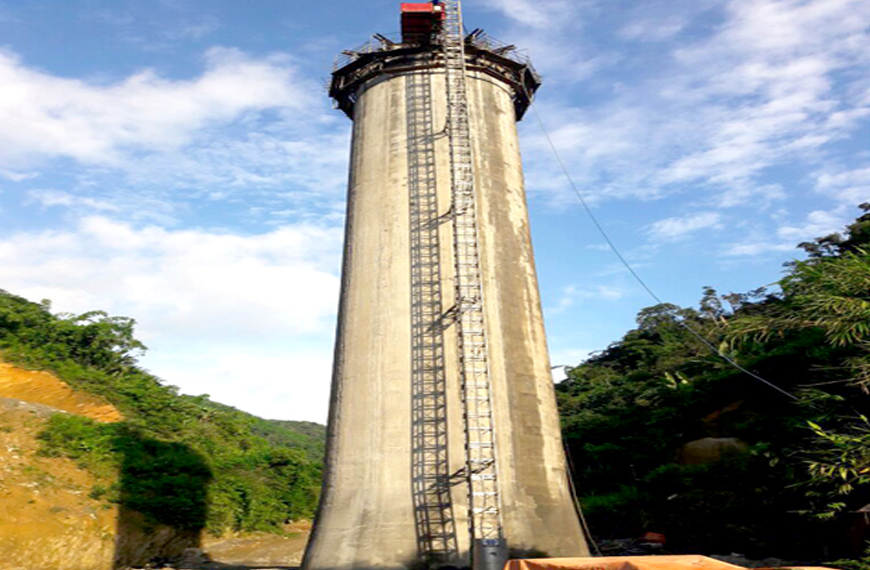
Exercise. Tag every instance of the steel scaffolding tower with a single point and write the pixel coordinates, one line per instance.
(485, 518)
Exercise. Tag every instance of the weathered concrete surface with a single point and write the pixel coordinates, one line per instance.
(366, 518)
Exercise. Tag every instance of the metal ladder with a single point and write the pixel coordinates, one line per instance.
(430, 465)
(485, 519)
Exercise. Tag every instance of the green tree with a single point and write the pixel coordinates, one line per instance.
(626, 410)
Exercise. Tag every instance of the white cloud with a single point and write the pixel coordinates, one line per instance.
(17, 176)
(678, 228)
(268, 300)
(249, 129)
(775, 60)
(755, 247)
(787, 26)
(572, 294)
(652, 29)
(52, 198)
(759, 196)
(849, 187)
(540, 14)
(817, 224)
(47, 116)
(258, 162)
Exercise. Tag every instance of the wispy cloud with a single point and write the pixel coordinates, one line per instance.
(769, 86)
(755, 247)
(653, 29)
(849, 187)
(195, 29)
(572, 294)
(545, 14)
(817, 224)
(6, 15)
(52, 198)
(17, 176)
(678, 228)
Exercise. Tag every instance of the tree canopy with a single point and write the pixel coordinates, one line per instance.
(628, 412)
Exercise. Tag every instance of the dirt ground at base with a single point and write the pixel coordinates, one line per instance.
(260, 550)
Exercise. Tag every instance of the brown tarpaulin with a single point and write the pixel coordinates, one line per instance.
(691, 562)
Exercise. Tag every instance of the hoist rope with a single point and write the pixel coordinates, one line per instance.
(634, 273)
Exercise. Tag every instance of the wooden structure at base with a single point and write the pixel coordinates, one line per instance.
(681, 562)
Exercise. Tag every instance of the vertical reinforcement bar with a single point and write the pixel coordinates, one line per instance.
(487, 536)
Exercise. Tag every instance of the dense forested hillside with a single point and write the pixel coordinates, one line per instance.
(787, 471)
(182, 461)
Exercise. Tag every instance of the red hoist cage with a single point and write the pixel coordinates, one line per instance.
(420, 21)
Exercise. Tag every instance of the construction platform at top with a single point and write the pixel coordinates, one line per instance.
(419, 48)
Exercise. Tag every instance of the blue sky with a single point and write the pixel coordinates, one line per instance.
(178, 161)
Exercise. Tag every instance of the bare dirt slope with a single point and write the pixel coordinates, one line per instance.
(47, 389)
(47, 519)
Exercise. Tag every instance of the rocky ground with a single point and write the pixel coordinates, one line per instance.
(260, 551)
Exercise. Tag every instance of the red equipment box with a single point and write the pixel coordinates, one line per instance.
(420, 21)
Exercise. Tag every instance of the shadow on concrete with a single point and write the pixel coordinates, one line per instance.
(430, 469)
(163, 500)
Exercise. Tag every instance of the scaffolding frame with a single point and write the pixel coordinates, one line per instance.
(481, 469)
(430, 466)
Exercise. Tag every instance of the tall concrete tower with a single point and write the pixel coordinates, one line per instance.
(443, 441)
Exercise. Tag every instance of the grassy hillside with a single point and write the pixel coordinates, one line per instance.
(308, 436)
(179, 460)
(287, 433)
